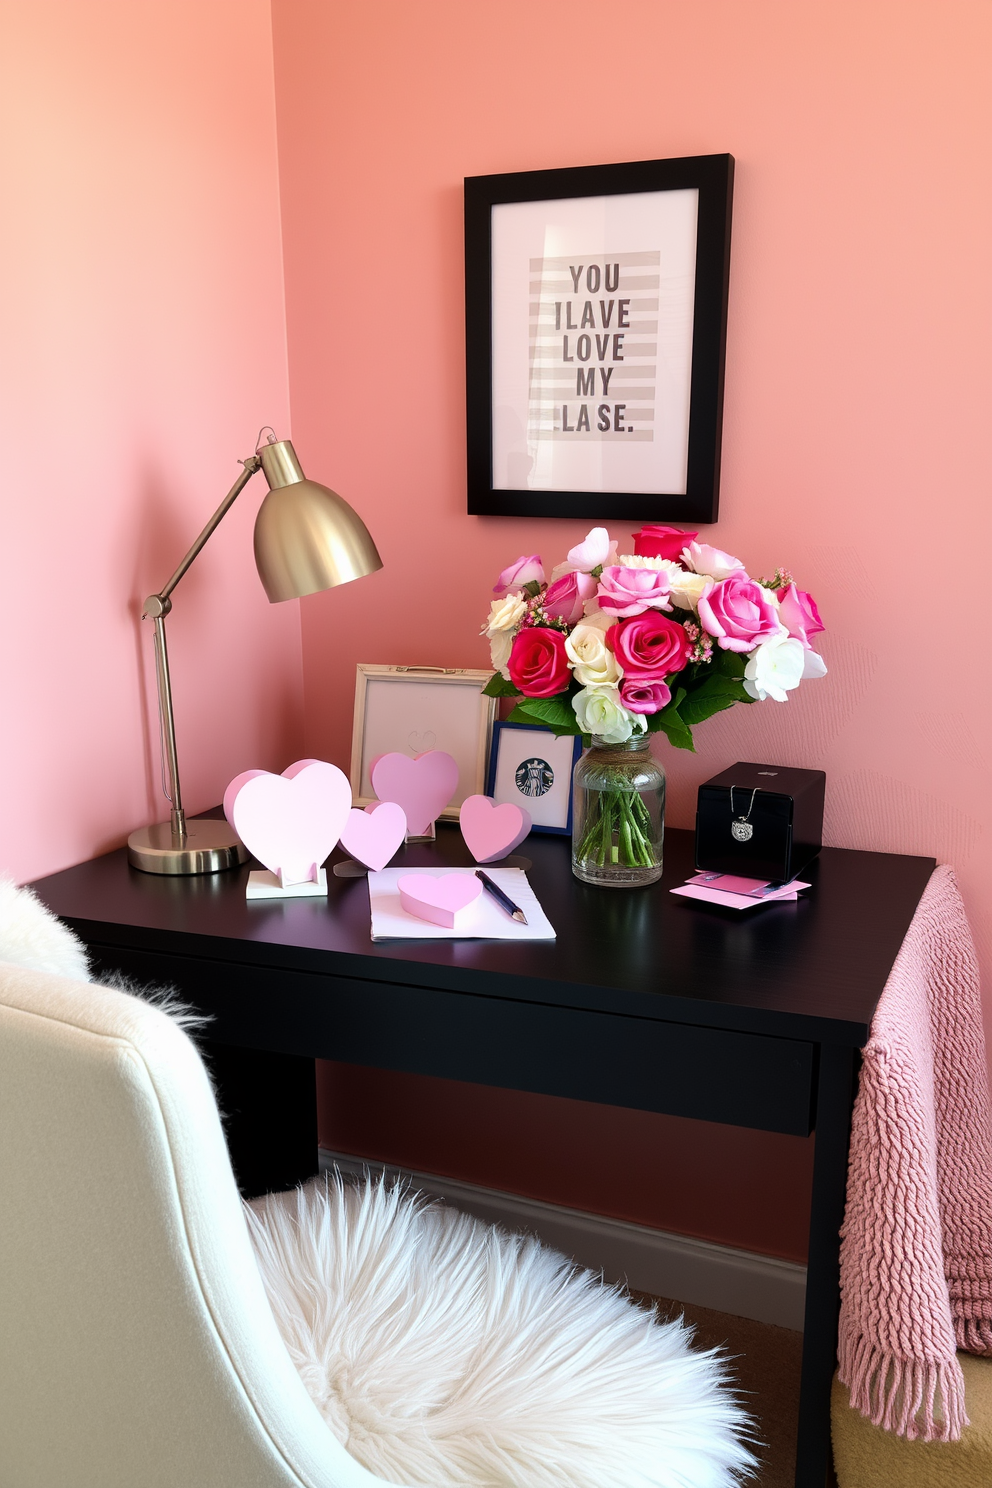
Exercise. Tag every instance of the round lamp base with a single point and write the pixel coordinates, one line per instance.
(210, 846)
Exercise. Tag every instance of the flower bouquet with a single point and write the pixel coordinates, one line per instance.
(618, 647)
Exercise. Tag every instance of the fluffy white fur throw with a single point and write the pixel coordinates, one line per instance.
(31, 936)
(445, 1352)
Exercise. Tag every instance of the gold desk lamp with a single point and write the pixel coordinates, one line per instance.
(306, 539)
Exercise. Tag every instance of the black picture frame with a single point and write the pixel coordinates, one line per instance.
(503, 728)
(711, 176)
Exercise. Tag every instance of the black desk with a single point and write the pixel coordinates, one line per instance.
(645, 1000)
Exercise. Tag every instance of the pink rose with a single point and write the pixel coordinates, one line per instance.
(629, 591)
(649, 647)
(565, 598)
(739, 613)
(713, 562)
(524, 571)
(656, 541)
(798, 613)
(538, 664)
(644, 697)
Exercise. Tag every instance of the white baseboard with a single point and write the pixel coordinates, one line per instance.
(667, 1265)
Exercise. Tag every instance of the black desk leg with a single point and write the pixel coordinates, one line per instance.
(835, 1097)
(268, 1103)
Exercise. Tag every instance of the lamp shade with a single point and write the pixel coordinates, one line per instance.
(306, 537)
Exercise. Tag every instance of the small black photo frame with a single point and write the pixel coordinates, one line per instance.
(596, 327)
(532, 767)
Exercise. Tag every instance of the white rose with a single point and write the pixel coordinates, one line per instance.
(500, 646)
(775, 668)
(505, 614)
(599, 711)
(703, 559)
(592, 660)
(635, 560)
(595, 551)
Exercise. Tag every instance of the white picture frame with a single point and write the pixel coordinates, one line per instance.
(408, 710)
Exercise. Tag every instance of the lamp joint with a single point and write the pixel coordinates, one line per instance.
(156, 608)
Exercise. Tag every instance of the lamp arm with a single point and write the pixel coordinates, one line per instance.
(250, 467)
(156, 607)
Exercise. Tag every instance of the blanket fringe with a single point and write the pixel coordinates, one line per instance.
(974, 1335)
(901, 1395)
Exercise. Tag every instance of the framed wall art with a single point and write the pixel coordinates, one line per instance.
(532, 767)
(596, 323)
(409, 710)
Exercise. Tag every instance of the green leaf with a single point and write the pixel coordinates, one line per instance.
(533, 588)
(669, 722)
(712, 696)
(729, 663)
(554, 713)
(498, 686)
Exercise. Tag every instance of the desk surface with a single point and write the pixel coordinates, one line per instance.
(813, 969)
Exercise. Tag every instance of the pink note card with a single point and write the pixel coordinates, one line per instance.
(734, 892)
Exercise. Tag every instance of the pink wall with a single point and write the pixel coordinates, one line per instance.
(143, 331)
(856, 443)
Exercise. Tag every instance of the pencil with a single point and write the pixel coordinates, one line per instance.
(513, 910)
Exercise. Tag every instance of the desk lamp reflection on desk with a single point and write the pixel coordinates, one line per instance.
(306, 539)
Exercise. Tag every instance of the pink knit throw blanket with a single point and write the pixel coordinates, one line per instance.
(916, 1244)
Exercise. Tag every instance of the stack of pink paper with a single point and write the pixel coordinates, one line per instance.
(737, 893)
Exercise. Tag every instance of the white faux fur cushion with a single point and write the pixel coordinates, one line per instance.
(445, 1352)
(31, 936)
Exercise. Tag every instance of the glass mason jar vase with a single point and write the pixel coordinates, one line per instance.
(618, 814)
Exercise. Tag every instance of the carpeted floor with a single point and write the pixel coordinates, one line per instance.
(766, 1363)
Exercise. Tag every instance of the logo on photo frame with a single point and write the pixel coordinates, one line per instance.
(534, 777)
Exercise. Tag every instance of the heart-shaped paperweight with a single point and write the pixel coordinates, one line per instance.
(290, 822)
(423, 786)
(373, 837)
(491, 831)
(443, 901)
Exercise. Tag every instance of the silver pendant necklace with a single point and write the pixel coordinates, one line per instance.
(742, 829)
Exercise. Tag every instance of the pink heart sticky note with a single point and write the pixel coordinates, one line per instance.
(439, 900)
(492, 831)
(422, 786)
(373, 837)
(290, 822)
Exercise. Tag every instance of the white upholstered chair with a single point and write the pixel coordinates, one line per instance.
(139, 1347)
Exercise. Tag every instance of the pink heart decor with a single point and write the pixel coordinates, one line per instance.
(439, 900)
(492, 831)
(290, 822)
(373, 837)
(423, 786)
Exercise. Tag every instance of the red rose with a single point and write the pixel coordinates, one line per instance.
(654, 541)
(649, 646)
(538, 664)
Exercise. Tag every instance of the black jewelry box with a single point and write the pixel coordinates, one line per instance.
(761, 821)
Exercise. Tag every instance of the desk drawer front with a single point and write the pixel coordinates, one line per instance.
(680, 1070)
